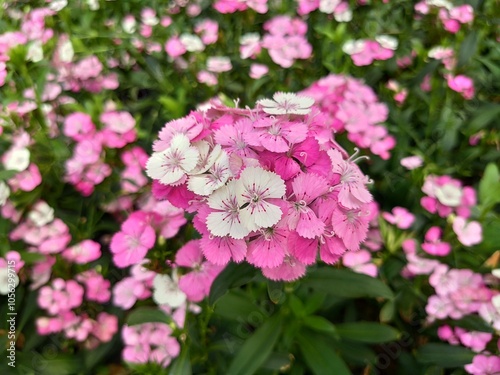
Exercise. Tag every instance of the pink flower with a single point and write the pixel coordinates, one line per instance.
(359, 261)
(78, 126)
(174, 47)
(412, 162)
(258, 71)
(433, 244)
(468, 234)
(82, 253)
(484, 365)
(400, 217)
(61, 296)
(196, 284)
(461, 84)
(127, 291)
(291, 269)
(130, 245)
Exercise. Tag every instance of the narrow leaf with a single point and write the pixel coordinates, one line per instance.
(234, 275)
(147, 315)
(444, 355)
(346, 283)
(320, 356)
(368, 332)
(256, 350)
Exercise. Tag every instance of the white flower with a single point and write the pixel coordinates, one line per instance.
(449, 195)
(41, 214)
(287, 103)
(496, 273)
(35, 52)
(171, 165)
(5, 275)
(129, 24)
(166, 291)
(387, 41)
(212, 173)
(66, 51)
(219, 64)
(225, 220)
(4, 193)
(192, 42)
(255, 186)
(57, 5)
(93, 4)
(440, 3)
(345, 16)
(17, 159)
(328, 6)
(353, 46)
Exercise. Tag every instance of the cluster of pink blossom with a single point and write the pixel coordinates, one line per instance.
(475, 340)
(286, 41)
(149, 342)
(137, 286)
(86, 168)
(268, 185)
(459, 292)
(452, 17)
(11, 259)
(138, 233)
(349, 105)
(365, 51)
(61, 297)
(231, 6)
(340, 9)
(446, 195)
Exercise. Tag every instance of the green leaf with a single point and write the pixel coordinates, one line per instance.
(320, 356)
(7, 174)
(387, 311)
(147, 315)
(368, 332)
(235, 305)
(256, 350)
(489, 185)
(474, 323)
(182, 365)
(444, 355)
(296, 305)
(467, 49)
(346, 283)
(320, 324)
(234, 275)
(484, 116)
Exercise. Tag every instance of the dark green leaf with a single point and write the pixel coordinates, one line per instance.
(234, 275)
(484, 116)
(256, 350)
(296, 305)
(5, 175)
(321, 358)
(235, 306)
(369, 332)
(474, 323)
(489, 185)
(182, 365)
(444, 355)
(346, 283)
(387, 311)
(320, 324)
(147, 315)
(467, 49)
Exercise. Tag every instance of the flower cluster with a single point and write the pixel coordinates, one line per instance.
(149, 342)
(350, 106)
(364, 51)
(268, 185)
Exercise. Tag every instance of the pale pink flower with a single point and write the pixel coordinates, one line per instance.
(468, 234)
(291, 269)
(400, 217)
(433, 244)
(484, 365)
(83, 252)
(286, 103)
(127, 291)
(412, 162)
(258, 71)
(360, 262)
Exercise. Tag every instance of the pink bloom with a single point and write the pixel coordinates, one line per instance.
(127, 291)
(84, 252)
(412, 162)
(359, 261)
(291, 269)
(78, 126)
(433, 244)
(468, 234)
(400, 217)
(484, 365)
(61, 296)
(258, 71)
(269, 248)
(96, 287)
(461, 84)
(130, 245)
(174, 47)
(195, 284)
(118, 122)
